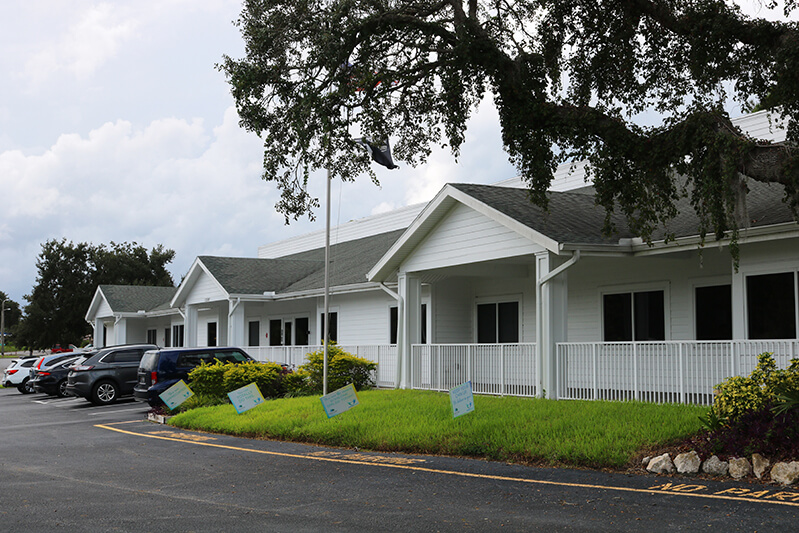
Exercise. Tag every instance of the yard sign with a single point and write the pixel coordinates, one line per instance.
(461, 399)
(340, 400)
(246, 398)
(176, 394)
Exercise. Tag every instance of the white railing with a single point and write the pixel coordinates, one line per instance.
(384, 355)
(664, 372)
(502, 369)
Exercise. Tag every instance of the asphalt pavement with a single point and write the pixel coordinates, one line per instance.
(66, 465)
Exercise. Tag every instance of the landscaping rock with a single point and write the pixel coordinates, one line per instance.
(785, 473)
(715, 467)
(759, 465)
(688, 463)
(661, 465)
(645, 461)
(739, 467)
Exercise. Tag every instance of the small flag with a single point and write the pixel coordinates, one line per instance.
(381, 153)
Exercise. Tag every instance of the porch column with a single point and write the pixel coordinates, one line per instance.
(190, 330)
(410, 289)
(97, 335)
(121, 331)
(550, 320)
(236, 324)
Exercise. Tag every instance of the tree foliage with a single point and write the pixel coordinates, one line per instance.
(68, 275)
(569, 79)
(11, 315)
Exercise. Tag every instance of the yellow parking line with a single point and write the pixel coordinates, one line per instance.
(672, 489)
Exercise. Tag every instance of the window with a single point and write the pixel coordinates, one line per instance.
(638, 316)
(152, 336)
(771, 306)
(498, 322)
(211, 334)
(303, 332)
(254, 333)
(393, 328)
(275, 332)
(394, 324)
(167, 338)
(333, 327)
(713, 313)
(177, 335)
(127, 356)
(287, 327)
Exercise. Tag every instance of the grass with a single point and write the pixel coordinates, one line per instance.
(524, 430)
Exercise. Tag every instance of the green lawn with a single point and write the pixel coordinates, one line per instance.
(589, 434)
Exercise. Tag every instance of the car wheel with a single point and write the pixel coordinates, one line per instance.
(62, 388)
(104, 393)
(26, 387)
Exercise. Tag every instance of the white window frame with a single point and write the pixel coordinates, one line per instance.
(632, 288)
(780, 267)
(518, 298)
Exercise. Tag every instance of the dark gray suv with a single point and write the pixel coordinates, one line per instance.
(107, 375)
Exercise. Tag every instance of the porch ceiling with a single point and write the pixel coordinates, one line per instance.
(517, 267)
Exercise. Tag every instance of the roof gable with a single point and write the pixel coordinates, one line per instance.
(117, 299)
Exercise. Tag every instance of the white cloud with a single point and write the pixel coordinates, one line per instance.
(84, 46)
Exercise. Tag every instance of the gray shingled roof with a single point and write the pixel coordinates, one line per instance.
(573, 217)
(350, 261)
(135, 298)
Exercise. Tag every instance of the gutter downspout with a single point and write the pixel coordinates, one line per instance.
(400, 309)
(539, 314)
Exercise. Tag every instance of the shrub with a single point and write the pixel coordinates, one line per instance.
(738, 395)
(342, 369)
(266, 376)
(208, 379)
(217, 379)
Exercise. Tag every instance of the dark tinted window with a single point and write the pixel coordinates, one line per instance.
(192, 359)
(770, 306)
(486, 323)
(124, 356)
(28, 363)
(393, 324)
(714, 313)
(650, 323)
(638, 316)
(617, 317)
(149, 361)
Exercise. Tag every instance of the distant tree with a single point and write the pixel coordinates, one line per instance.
(569, 79)
(12, 314)
(68, 277)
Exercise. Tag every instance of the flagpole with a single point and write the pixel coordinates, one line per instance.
(327, 289)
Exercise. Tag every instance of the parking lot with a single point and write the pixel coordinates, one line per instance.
(67, 464)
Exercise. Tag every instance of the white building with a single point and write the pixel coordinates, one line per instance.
(481, 285)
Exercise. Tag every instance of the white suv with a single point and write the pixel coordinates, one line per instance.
(18, 373)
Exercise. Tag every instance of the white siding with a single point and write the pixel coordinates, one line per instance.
(452, 317)
(592, 277)
(456, 299)
(104, 310)
(463, 237)
(205, 289)
(355, 229)
(363, 318)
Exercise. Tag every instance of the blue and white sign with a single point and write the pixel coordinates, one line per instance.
(461, 399)
(176, 394)
(246, 398)
(339, 401)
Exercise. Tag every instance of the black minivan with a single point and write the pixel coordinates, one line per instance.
(162, 368)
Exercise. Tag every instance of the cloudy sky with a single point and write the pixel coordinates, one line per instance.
(115, 126)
